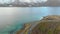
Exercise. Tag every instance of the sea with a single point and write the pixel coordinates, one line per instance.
(13, 19)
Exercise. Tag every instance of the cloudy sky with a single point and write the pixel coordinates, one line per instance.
(6, 1)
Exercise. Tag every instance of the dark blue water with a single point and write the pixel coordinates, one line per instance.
(24, 15)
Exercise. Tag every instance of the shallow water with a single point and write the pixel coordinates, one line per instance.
(13, 18)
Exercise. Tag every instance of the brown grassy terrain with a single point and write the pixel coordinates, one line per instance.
(48, 25)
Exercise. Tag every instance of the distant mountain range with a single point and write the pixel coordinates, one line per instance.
(32, 4)
(18, 3)
(24, 4)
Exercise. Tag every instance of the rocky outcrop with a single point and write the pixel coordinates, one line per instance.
(51, 17)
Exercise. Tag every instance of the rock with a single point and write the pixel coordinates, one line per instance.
(51, 17)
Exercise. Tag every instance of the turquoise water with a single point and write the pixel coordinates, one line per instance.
(23, 15)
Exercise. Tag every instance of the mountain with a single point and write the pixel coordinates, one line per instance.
(31, 3)
(18, 3)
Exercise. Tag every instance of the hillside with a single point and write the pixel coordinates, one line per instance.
(48, 25)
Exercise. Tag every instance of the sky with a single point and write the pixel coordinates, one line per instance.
(6, 1)
(33, 0)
